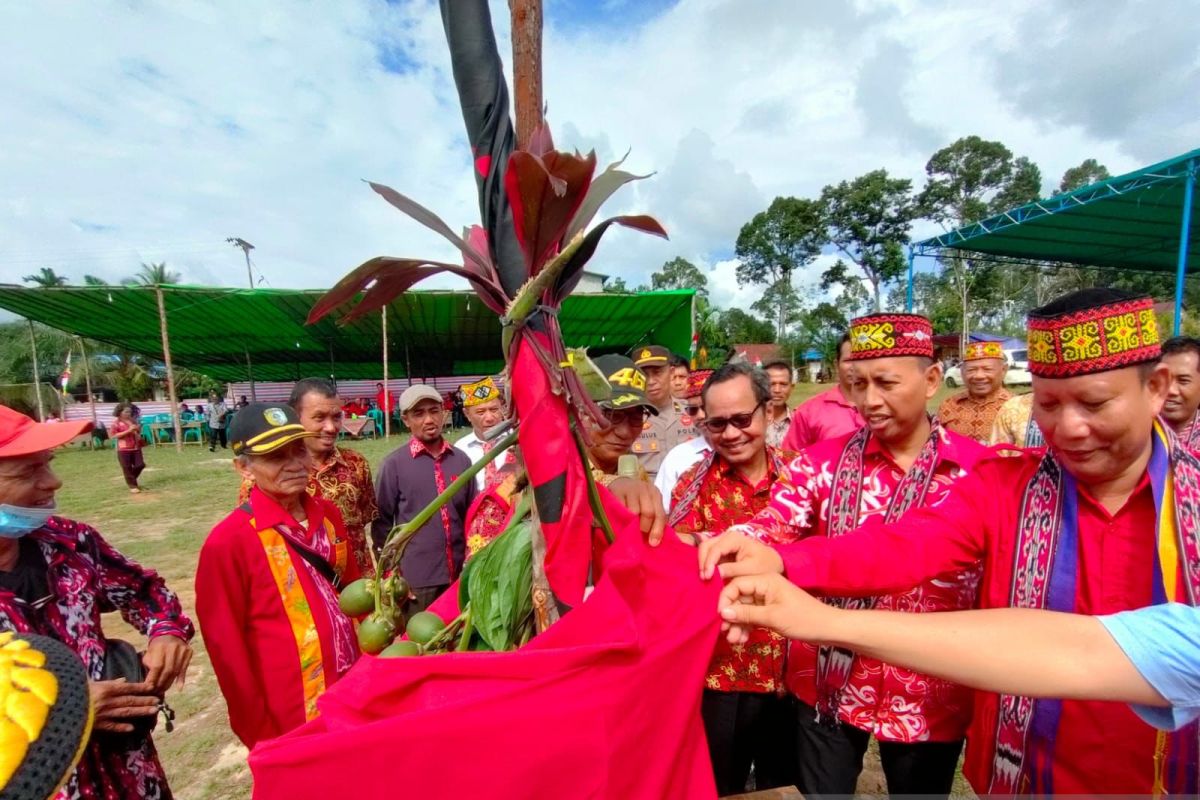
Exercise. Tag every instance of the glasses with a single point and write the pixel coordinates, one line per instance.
(717, 425)
(635, 417)
(692, 410)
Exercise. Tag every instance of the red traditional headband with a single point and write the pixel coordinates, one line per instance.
(1096, 339)
(979, 350)
(888, 335)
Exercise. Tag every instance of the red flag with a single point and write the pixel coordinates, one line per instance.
(606, 703)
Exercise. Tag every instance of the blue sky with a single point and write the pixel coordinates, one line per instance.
(140, 131)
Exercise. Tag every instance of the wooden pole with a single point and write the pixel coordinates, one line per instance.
(87, 380)
(387, 411)
(527, 66)
(250, 374)
(37, 382)
(408, 364)
(166, 343)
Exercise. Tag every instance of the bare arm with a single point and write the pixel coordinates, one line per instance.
(1009, 650)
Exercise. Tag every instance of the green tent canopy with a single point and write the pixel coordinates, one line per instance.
(226, 333)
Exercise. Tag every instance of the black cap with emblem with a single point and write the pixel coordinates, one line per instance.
(651, 355)
(627, 383)
(262, 427)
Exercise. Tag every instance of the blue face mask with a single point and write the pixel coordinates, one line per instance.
(16, 521)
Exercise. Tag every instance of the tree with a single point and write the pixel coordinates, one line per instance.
(616, 286)
(868, 220)
(776, 243)
(711, 334)
(1088, 172)
(679, 273)
(92, 280)
(968, 181)
(152, 275)
(743, 328)
(820, 329)
(46, 278)
(779, 301)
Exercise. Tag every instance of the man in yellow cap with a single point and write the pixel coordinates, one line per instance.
(972, 411)
(484, 408)
(669, 427)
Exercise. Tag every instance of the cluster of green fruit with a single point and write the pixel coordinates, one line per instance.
(494, 598)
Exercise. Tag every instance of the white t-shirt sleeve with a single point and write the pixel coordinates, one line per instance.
(1163, 642)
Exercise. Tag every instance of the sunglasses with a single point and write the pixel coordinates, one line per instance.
(693, 410)
(717, 425)
(635, 417)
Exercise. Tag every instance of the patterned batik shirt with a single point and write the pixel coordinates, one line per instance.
(972, 418)
(893, 703)
(725, 498)
(87, 577)
(345, 480)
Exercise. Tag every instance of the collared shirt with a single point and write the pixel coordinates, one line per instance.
(679, 460)
(1014, 424)
(410, 477)
(248, 627)
(970, 417)
(727, 498)
(893, 703)
(821, 417)
(216, 414)
(660, 433)
(978, 519)
(476, 449)
(345, 479)
(777, 428)
(87, 576)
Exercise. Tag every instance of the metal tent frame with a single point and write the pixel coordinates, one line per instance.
(1138, 221)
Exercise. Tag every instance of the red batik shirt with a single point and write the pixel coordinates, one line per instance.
(726, 498)
(893, 703)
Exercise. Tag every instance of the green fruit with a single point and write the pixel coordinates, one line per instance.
(374, 634)
(399, 590)
(423, 626)
(401, 649)
(358, 598)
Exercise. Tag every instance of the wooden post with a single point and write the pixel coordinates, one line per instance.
(37, 382)
(387, 411)
(166, 343)
(527, 66)
(250, 375)
(408, 364)
(87, 379)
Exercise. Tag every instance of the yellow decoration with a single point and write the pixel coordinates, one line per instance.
(27, 694)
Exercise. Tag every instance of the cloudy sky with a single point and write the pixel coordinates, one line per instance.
(141, 131)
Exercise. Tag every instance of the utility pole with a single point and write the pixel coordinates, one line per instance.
(37, 381)
(245, 247)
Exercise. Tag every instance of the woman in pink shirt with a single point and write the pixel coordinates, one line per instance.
(128, 435)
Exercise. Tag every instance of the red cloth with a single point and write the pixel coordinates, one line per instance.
(605, 704)
(354, 409)
(821, 417)
(893, 703)
(245, 627)
(385, 401)
(1100, 747)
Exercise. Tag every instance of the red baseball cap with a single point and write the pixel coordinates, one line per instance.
(20, 435)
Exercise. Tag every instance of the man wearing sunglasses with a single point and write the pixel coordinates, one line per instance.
(668, 426)
(899, 460)
(748, 718)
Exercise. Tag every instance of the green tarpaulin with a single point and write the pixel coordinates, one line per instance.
(217, 331)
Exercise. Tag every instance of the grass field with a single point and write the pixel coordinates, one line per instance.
(163, 528)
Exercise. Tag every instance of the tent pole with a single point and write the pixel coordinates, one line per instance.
(250, 374)
(166, 343)
(908, 296)
(408, 364)
(332, 372)
(387, 412)
(87, 379)
(37, 386)
(1185, 226)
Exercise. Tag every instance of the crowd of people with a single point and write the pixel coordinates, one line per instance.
(1080, 498)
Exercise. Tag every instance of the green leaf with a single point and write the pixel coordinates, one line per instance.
(499, 586)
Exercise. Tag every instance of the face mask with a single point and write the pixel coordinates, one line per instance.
(16, 521)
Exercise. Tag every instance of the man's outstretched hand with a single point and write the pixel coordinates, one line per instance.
(732, 555)
(772, 601)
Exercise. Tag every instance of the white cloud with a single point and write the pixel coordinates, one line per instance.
(137, 132)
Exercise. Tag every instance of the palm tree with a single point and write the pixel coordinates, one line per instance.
(92, 280)
(152, 275)
(46, 278)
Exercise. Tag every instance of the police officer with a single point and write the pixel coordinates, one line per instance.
(670, 426)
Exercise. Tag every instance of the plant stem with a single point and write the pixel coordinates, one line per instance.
(593, 492)
(399, 535)
(464, 642)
